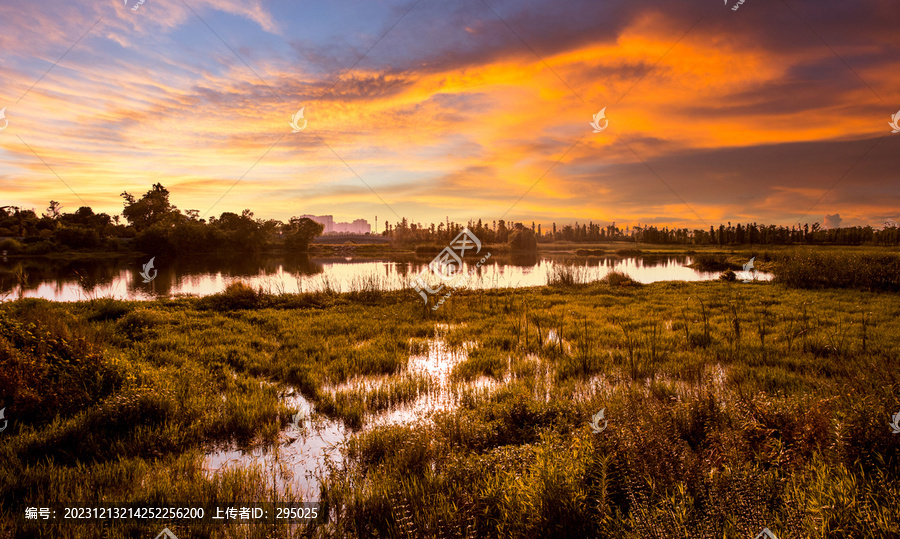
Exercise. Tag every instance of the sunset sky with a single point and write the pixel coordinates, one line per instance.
(776, 112)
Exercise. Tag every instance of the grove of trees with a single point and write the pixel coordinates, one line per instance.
(523, 237)
(153, 225)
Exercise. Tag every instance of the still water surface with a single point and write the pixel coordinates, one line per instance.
(75, 280)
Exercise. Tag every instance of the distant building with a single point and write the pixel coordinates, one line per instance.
(327, 221)
(359, 226)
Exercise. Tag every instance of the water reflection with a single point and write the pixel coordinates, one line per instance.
(299, 459)
(73, 280)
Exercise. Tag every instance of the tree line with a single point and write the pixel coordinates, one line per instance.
(153, 225)
(522, 236)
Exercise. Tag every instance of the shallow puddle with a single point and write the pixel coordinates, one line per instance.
(436, 363)
(298, 459)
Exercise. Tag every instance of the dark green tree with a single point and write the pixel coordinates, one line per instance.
(304, 230)
(152, 208)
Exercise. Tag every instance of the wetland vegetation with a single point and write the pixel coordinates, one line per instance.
(731, 406)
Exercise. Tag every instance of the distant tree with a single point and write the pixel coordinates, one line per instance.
(242, 232)
(53, 210)
(522, 239)
(502, 231)
(85, 217)
(77, 237)
(305, 230)
(152, 208)
(155, 240)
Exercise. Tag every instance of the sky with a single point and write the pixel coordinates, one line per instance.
(774, 112)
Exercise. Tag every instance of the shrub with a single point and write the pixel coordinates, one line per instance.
(40, 248)
(617, 278)
(237, 295)
(12, 246)
(728, 276)
(77, 237)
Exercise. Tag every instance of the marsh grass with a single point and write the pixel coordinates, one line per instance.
(728, 410)
(354, 401)
(873, 271)
(566, 275)
(481, 362)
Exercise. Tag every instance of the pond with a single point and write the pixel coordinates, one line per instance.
(76, 280)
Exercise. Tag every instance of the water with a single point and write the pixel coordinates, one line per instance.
(299, 458)
(302, 452)
(75, 280)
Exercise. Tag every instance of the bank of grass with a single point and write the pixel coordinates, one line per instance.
(731, 407)
(873, 271)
